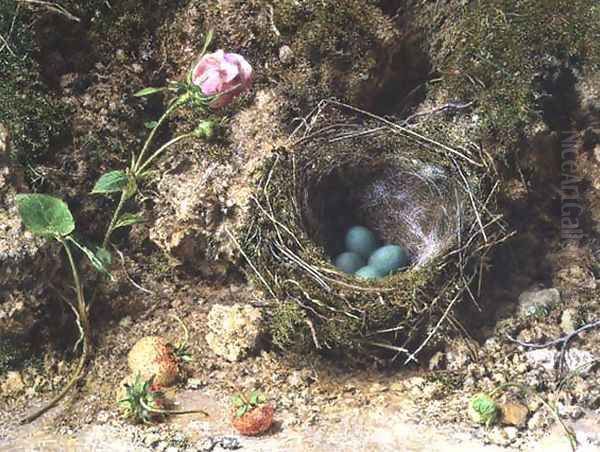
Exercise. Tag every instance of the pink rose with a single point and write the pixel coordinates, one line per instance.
(227, 74)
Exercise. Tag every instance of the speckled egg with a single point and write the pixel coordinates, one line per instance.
(361, 241)
(369, 272)
(349, 262)
(388, 259)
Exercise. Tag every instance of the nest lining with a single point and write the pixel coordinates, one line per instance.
(411, 203)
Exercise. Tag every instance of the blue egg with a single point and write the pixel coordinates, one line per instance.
(369, 272)
(349, 262)
(388, 259)
(361, 241)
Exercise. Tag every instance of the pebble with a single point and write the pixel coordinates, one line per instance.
(569, 320)
(151, 438)
(514, 414)
(13, 384)
(286, 54)
(512, 433)
(538, 302)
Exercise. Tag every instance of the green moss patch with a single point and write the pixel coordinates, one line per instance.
(34, 116)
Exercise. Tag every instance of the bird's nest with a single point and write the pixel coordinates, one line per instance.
(410, 186)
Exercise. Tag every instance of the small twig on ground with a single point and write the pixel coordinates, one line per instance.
(563, 341)
(451, 106)
(129, 278)
(53, 7)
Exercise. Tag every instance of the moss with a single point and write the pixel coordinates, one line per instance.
(346, 44)
(501, 53)
(12, 353)
(35, 118)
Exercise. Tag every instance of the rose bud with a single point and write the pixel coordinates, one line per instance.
(222, 74)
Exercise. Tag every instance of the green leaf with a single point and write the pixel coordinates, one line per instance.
(45, 215)
(241, 411)
(148, 91)
(128, 219)
(151, 124)
(99, 257)
(111, 182)
(254, 398)
(237, 401)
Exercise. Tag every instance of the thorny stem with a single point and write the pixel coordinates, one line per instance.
(568, 431)
(159, 411)
(86, 340)
(162, 119)
(114, 218)
(141, 169)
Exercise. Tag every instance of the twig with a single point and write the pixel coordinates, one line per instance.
(53, 7)
(136, 285)
(447, 107)
(159, 411)
(562, 340)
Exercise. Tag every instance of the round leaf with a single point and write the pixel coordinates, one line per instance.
(45, 215)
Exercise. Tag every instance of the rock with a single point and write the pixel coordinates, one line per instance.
(541, 357)
(201, 205)
(437, 361)
(514, 414)
(512, 433)
(458, 355)
(13, 384)
(498, 436)
(537, 302)
(151, 439)
(286, 54)
(195, 383)
(570, 320)
(235, 331)
(580, 361)
(539, 420)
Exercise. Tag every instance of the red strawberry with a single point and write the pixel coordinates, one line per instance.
(254, 422)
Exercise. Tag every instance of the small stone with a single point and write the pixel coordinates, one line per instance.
(539, 420)
(162, 446)
(541, 357)
(195, 383)
(498, 436)
(137, 68)
(512, 433)
(286, 54)
(580, 361)
(235, 331)
(377, 387)
(13, 384)
(4, 139)
(514, 414)
(295, 379)
(569, 320)
(458, 355)
(575, 412)
(597, 153)
(538, 303)
(437, 361)
(151, 439)
(125, 322)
